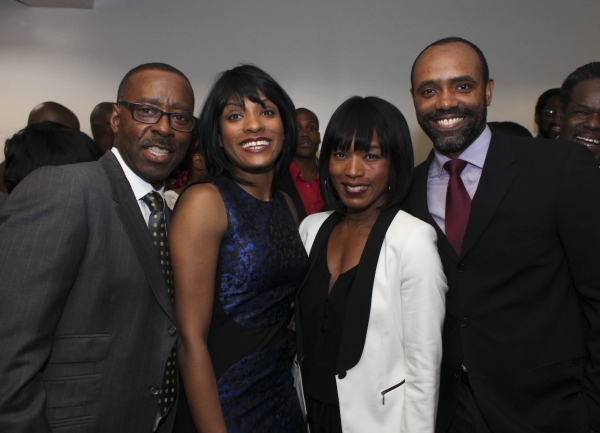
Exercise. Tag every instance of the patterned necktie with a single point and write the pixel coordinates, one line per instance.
(156, 224)
(458, 204)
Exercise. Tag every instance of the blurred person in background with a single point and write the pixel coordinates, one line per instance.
(546, 109)
(54, 112)
(41, 144)
(103, 134)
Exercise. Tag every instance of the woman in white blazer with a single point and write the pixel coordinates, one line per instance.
(369, 314)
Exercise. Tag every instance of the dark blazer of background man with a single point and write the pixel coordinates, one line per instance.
(86, 323)
(523, 305)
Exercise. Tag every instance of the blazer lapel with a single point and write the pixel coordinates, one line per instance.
(358, 309)
(129, 212)
(496, 178)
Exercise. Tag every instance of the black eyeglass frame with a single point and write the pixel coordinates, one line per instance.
(132, 106)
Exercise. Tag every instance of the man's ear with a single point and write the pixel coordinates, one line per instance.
(114, 119)
(489, 89)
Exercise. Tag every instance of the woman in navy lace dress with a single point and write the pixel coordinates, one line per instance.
(237, 262)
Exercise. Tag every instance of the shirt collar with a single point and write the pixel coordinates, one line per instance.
(474, 154)
(295, 171)
(139, 186)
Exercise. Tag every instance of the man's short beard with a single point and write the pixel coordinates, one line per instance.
(447, 142)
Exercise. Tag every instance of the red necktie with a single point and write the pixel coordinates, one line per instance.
(458, 204)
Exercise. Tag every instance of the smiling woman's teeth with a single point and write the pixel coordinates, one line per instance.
(356, 188)
(449, 122)
(157, 151)
(252, 144)
(588, 140)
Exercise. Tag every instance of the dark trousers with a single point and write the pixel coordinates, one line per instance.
(468, 417)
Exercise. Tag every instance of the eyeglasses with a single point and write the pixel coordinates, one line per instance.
(551, 112)
(151, 115)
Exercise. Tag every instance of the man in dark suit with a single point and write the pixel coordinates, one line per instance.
(86, 318)
(518, 234)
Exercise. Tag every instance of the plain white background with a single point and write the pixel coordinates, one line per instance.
(321, 52)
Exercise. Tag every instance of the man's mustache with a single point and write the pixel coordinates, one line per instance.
(451, 111)
(162, 141)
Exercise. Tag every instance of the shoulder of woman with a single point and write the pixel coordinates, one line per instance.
(405, 228)
(201, 205)
(310, 227)
(199, 194)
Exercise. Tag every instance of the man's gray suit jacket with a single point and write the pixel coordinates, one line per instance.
(86, 324)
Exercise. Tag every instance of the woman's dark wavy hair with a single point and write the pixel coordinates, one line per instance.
(354, 122)
(241, 82)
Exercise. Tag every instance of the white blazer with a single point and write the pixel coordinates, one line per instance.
(394, 385)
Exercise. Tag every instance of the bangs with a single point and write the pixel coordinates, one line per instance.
(236, 87)
(357, 126)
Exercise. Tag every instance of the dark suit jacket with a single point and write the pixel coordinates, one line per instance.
(86, 323)
(523, 302)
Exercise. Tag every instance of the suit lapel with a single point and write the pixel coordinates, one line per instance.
(129, 211)
(496, 178)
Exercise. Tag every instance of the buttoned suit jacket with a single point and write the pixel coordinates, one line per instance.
(523, 303)
(86, 323)
(387, 371)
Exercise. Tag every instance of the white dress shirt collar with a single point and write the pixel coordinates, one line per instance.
(139, 186)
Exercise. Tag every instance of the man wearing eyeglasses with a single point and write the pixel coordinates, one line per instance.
(545, 114)
(87, 327)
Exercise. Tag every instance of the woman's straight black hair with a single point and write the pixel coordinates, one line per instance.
(353, 124)
(241, 82)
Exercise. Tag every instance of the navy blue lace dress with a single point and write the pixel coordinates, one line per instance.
(261, 264)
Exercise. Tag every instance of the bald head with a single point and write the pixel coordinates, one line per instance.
(54, 112)
(100, 125)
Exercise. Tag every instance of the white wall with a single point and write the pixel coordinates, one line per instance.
(321, 52)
